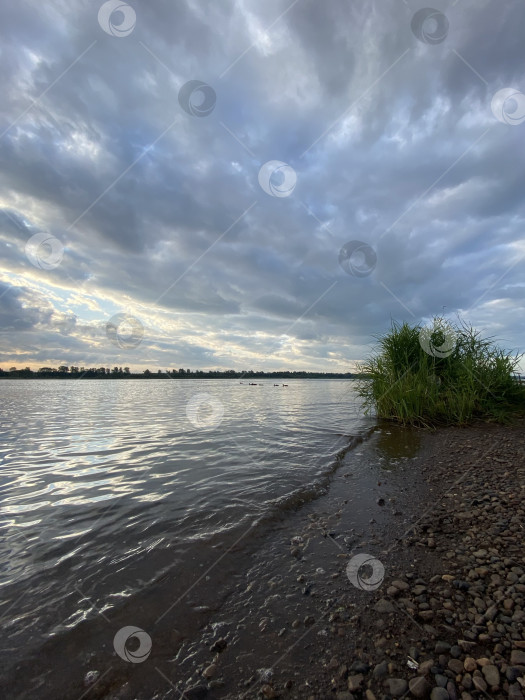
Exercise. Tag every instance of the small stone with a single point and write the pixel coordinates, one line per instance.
(479, 683)
(359, 667)
(425, 666)
(397, 686)
(491, 674)
(470, 664)
(419, 687)
(439, 694)
(451, 690)
(268, 691)
(466, 681)
(354, 682)
(381, 670)
(441, 680)
(517, 658)
(219, 645)
(442, 647)
(515, 692)
(512, 674)
(370, 695)
(456, 666)
(401, 585)
(210, 671)
(384, 606)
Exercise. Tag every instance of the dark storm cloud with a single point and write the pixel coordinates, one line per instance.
(161, 214)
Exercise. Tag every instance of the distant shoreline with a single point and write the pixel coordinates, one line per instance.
(90, 374)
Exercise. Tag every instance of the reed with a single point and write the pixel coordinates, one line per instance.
(443, 374)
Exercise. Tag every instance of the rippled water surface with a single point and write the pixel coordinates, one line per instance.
(106, 484)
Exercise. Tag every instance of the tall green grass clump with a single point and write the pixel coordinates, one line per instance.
(440, 374)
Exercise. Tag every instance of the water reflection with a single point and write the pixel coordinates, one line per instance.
(106, 484)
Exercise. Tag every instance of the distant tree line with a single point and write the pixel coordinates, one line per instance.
(66, 372)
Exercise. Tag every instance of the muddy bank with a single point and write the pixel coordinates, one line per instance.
(446, 521)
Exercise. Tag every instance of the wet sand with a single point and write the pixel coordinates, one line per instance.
(443, 514)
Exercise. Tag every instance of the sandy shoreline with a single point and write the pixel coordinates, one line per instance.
(290, 624)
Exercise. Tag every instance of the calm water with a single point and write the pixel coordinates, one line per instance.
(106, 485)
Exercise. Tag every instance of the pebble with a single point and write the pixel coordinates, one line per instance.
(491, 674)
(479, 683)
(517, 658)
(210, 671)
(456, 666)
(384, 606)
(354, 682)
(425, 666)
(470, 664)
(515, 692)
(397, 686)
(381, 670)
(419, 687)
(439, 694)
(401, 585)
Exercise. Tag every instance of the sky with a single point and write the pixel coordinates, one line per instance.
(256, 185)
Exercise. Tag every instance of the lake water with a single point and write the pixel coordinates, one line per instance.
(107, 486)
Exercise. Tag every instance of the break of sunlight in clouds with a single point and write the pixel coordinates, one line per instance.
(160, 214)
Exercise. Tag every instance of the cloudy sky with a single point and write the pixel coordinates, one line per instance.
(196, 174)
